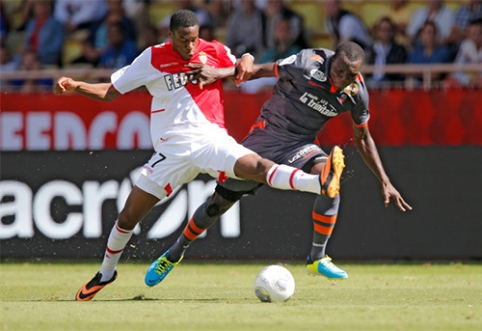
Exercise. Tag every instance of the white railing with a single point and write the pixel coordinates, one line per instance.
(426, 71)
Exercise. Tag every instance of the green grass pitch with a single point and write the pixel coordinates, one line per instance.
(220, 296)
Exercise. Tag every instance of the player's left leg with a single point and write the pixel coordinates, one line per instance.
(203, 218)
(325, 212)
(226, 195)
(138, 204)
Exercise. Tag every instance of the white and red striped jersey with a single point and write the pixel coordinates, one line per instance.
(177, 105)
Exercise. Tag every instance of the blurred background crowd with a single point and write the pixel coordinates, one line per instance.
(41, 34)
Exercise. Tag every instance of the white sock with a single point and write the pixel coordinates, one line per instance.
(284, 177)
(116, 243)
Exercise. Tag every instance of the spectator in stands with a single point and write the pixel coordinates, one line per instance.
(7, 64)
(385, 51)
(284, 46)
(31, 61)
(219, 12)
(343, 25)
(24, 12)
(97, 41)
(202, 15)
(430, 51)
(206, 32)
(435, 11)
(400, 13)
(120, 51)
(275, 11)
(4, 23)
(245, 30)
(79, 14)
(44, 35)
(464, 15)
(149, 36)
(137, 12)
(470, 52)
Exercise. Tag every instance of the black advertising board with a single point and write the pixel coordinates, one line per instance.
(63, 204)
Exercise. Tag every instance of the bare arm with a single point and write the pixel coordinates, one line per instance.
(101, 91)
(264, 70)
(368, 151)
(243, 70)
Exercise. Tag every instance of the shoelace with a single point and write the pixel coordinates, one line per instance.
(163, 266)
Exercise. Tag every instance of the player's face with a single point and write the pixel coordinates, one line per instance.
(185, 40)
(343, 72)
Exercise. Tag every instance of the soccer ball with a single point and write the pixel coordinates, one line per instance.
(274, 283)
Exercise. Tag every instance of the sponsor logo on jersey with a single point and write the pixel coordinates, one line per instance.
(304, 153)
(165, 65)
(318, 75)
(177, 80)
(288, 60)
(203, 57)
(320, 105)
(351, 89)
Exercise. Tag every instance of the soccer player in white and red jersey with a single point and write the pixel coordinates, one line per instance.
(187, 131)
(313, 87)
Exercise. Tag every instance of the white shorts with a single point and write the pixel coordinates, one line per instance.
(182, 156)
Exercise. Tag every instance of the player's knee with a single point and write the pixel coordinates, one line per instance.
(212, 210)
(217, 205)
(125, 221)
(253, 167)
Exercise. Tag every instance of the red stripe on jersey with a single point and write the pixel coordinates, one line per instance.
(158, 110)
(333, 88)
(222, 176)
(209, 98)
(168, 189)
(316, 85)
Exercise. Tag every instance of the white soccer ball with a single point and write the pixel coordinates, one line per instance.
(274, 283)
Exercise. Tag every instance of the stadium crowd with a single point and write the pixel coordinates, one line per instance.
(36, 34)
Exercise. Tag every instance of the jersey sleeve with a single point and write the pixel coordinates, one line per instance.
(134, 75)
(290, 67)
(225, 57)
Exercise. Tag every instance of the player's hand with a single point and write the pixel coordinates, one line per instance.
(390, 193)
(65, 84)
(244, 68)
(202, 73)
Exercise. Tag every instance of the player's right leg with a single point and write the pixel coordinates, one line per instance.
(136, 207)
(286, 177)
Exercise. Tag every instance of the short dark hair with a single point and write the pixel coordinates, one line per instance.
(352, 51)
(183, 19)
